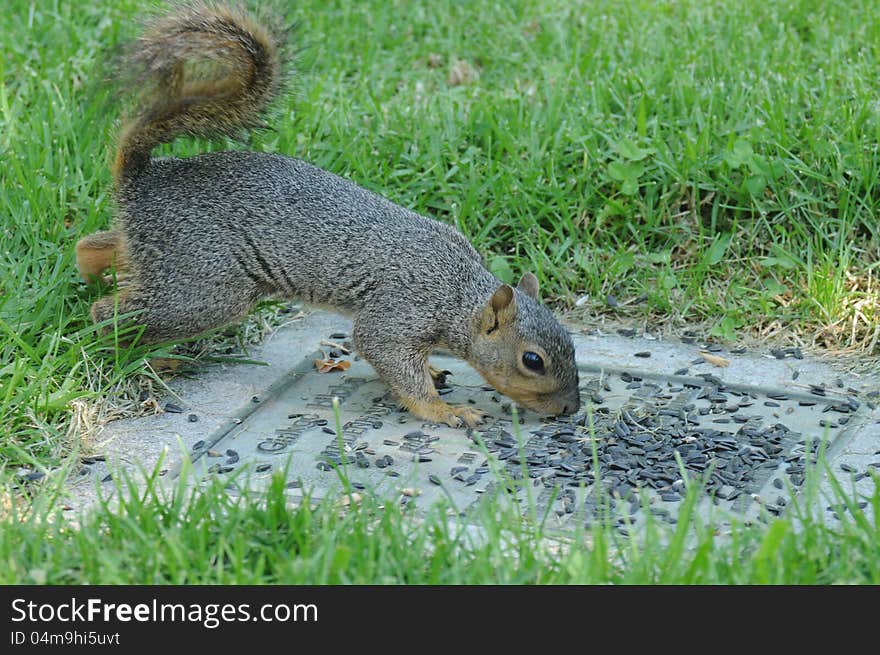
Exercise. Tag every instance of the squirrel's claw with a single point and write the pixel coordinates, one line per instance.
(466, 416)
(437, 411)
(438, 376)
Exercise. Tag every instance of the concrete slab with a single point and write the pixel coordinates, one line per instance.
(655, 416)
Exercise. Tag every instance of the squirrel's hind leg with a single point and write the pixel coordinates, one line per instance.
(96, 253)
(172, 313)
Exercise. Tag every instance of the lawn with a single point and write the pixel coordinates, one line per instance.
(691, 163)
(161, 535)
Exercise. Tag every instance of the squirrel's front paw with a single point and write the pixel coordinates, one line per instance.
(465, 415)
(437, 411)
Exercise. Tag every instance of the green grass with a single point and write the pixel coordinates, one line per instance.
(158, 535)
(716, 159)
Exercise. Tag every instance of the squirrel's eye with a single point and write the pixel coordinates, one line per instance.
(533, 361)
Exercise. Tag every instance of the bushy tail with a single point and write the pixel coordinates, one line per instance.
(203, 70)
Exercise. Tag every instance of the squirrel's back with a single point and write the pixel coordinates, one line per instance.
(306, 232)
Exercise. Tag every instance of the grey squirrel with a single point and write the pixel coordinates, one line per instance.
(198, 241)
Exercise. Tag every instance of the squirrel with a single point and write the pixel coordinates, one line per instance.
(197, 241)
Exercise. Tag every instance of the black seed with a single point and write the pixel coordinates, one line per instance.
(324, 466)
(198, 445)
(433, 479)
(611, 301)
(806, 403)
(644, 354)
(338, 335)
(173, 409)
(778, 483)
(682, 371)
(848, 468)
(192, 418)
(107, 477)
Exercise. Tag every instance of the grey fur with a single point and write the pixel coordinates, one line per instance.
(204, 238)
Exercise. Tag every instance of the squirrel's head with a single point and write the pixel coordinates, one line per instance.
(524, 352)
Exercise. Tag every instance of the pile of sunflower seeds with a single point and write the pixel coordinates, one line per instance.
(663, 436)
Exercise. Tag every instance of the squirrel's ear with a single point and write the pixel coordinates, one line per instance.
(500, 310)
(528, 284)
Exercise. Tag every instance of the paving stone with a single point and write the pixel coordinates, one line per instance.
(645, 430)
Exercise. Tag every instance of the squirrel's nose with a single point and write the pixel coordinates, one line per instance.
(573, 404)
